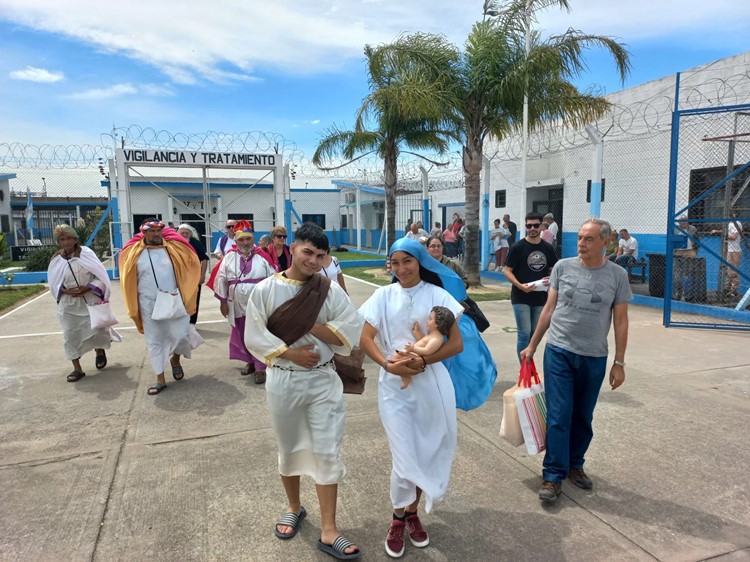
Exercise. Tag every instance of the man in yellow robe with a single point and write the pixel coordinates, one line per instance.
(158, 260)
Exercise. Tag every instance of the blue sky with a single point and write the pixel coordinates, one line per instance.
(70, 69)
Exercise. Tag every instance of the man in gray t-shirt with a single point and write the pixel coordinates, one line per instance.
(586, 294)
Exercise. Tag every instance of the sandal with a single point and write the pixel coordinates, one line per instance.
(177, 372)
(337, 549)
(248, 370)
(76, 376)
(156, 388)
(260, 377)
(101, 360)
(290, 519)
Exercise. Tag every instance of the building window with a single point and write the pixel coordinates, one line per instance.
(712, 207)
(138, 220)
(500, 196)
(240, 216)
(320, 220)
(4, 223)
(343, 221)
(588, 190)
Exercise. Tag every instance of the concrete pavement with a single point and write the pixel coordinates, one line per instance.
(97, 470)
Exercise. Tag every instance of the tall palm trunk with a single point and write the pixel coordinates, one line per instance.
(390, 176)
(472, 162)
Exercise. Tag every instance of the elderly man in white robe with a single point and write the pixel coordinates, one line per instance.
(78, 281)
(235, 278)
(159, 275)
(304, 393)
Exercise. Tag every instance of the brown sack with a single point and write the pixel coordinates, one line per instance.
(350, 371)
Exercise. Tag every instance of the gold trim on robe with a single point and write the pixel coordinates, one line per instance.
(187, 272)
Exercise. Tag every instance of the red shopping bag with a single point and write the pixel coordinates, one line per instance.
(532, 408)
(510, 427)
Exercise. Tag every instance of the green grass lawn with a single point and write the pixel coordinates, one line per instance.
(10, 296)
(351, 256)
(478, 297)
(11, 263)
(362, 273)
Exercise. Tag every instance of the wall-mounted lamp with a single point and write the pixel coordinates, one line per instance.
(174, 210)
(213, 211)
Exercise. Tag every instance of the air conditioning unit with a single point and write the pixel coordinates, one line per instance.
(350, 197)
(378, 206)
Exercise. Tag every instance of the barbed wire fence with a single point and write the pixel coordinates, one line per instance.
(635, 130)
(636, 164)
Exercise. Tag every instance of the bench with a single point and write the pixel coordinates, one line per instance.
(639, 264)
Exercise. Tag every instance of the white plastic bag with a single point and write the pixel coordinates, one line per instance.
(101, 315)
(168, 305)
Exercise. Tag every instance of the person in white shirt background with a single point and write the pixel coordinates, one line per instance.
(734, 253)
(549, 218)
(627, 250)
(227, 241)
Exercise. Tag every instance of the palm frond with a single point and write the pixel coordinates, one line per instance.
(347, 144)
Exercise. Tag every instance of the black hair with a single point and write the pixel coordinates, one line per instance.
(534, 217)
(444, 319)
(438, 238)
(150, 219)
(311, 232)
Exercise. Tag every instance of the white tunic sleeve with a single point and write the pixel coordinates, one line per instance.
(221, 284)
(372, 310)
(258, 339)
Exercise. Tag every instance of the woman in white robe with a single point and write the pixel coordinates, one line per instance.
(78, 279)
(420, 420)
(237, 274)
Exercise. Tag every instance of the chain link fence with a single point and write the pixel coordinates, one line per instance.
(636, 163)
(34, 201)
(711, 216)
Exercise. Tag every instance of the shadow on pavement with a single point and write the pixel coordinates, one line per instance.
(107, 384)
(202, 394)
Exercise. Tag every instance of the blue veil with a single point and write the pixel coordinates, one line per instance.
(472, 371)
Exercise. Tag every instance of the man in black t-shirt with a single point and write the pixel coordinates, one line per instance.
(528, 267)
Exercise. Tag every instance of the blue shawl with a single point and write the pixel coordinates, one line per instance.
(472, 371)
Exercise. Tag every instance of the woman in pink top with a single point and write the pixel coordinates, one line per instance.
(449, 241)
(547, 235)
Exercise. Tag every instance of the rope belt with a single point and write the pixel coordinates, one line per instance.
(311, 369)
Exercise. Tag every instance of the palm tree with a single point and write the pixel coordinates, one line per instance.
(394, 110)
(481, 89)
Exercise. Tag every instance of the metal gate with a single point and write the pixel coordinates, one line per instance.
(706, 268)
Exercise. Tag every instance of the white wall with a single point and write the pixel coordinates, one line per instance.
(636, 153)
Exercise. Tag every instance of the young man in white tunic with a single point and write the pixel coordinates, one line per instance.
(420, 420)
(160, 260)
(304, 393)
(77, 279)
(237, 274)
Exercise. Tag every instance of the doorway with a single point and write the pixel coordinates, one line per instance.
(197, 222)
(553, 204)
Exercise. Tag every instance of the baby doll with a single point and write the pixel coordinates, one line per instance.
(438, 326)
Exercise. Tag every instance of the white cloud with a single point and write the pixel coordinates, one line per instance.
(230, 40)
(227, 40)
(33, 74)
(315, 122)
(125, 89)
(156, 90)
(105, 93)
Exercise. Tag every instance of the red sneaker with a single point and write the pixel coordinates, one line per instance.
(417, 535)
(394, 542)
